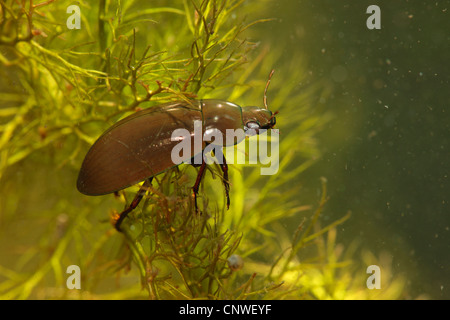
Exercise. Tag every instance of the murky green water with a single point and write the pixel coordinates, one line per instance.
(387, 149)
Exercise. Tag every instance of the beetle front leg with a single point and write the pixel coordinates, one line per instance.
(224, 168)
(140, 194)
(196, 186)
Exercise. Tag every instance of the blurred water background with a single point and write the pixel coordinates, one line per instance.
(387, 148)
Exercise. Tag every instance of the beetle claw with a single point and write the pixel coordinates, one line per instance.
(197, 182)
(226, 184)
(195, 201)
(118, 218)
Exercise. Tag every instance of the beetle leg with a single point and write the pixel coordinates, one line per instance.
(147, 183)
(224, 168)
(196, 186)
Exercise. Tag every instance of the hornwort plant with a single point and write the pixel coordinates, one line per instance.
(61, 88)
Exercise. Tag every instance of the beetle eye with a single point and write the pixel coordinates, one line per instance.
(251, 128)
(252, 125)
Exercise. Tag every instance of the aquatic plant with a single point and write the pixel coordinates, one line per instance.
(61, 88)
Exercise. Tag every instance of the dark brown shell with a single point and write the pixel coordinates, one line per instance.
(135, 148)
(140, 146)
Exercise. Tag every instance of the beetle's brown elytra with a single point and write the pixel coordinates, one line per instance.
(138, 147)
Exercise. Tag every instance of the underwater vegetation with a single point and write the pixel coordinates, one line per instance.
(62, 86)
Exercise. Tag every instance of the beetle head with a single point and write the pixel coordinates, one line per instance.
(256, 118)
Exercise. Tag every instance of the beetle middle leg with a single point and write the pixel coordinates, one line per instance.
(224, 167)
(201, 172)
(196, 186)
(140, 194)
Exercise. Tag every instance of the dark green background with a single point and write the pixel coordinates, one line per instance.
(386, 151)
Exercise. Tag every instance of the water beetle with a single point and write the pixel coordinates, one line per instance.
(138, 147)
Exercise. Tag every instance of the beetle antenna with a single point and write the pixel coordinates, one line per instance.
(267, 86)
